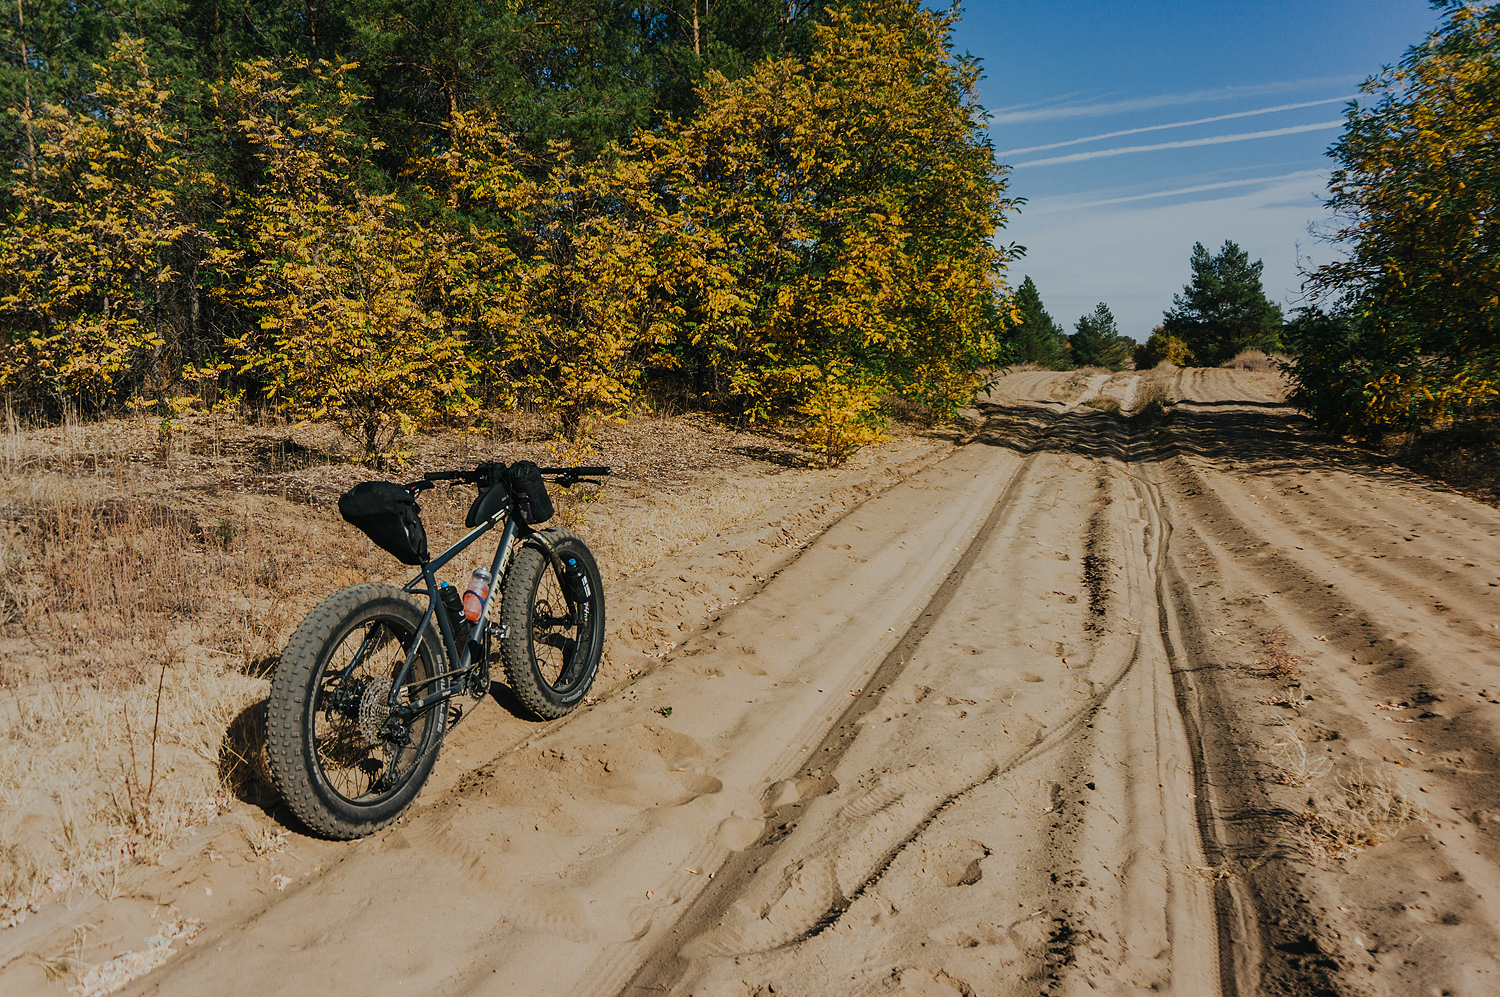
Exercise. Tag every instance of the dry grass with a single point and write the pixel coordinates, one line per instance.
(1147, 402)
(1464, 456)
(1150, 404)
(141, 606)
(1279, 662)
(144, 596)
(1292, 697)
(1294, 766)
(1364, 809)
(1258, 360)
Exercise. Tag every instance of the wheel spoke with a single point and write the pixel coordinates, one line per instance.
(352, 740)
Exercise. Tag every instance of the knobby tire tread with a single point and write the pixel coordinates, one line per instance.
(285, 707)
(515, 607)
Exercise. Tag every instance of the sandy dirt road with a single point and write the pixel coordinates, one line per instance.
(1091, 705)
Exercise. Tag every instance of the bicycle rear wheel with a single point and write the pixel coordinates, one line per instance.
(343, 764)
(553, 625)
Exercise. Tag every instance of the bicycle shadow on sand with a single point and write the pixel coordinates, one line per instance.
(245, 768)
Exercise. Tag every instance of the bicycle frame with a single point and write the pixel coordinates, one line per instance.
(461, 661)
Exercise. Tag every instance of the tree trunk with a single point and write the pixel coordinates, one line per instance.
(26, 78)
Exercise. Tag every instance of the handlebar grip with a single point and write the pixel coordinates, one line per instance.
(446, 475)
(576, 472)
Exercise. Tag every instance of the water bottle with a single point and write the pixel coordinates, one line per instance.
(455, 608)
(479, 590)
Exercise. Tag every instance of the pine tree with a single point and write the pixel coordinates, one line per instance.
(1224, 309)
(1037, 338)
(1097, 341)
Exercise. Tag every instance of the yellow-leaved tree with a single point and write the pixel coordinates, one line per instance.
(355, 303)
(1415, 333)
(834, 226)
(92, 293)
(566, 272)
(820, 235)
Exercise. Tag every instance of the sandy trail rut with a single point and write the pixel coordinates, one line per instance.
(1054, 715)
(1046, 838)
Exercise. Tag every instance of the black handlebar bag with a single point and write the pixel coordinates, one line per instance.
(387, 513)
(533, 504)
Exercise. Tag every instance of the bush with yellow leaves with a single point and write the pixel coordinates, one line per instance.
(345, 287)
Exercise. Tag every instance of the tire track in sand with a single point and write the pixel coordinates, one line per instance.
(823, 899)
(556, 858)
(1116, 893)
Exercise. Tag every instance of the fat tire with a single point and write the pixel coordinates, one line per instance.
(531, 569)
(292, 706)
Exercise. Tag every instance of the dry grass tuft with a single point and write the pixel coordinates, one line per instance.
(1104, 403)
(1150, 403)
(1365, 809)
(1292, 697)
(1280, 663)
(1294, 766)
(1252, 360)
(267, 841)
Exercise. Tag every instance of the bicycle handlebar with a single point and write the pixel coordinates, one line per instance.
(565, 475)
(576, 472)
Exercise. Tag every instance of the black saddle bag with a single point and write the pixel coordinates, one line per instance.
(387, 513)
(533, 504)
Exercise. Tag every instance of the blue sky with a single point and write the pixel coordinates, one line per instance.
(1138, 128)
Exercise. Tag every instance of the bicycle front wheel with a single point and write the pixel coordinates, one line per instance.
(342, 762)
(553, 635)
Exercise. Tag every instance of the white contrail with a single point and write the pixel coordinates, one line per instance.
(1047, 207)
(1035, 103)
(1161, 100)
(1078, 157)
(1174, 124)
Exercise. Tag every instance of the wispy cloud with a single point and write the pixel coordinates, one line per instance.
(1175, 124)
(1057, 113)
(1046, 102)
(1078, 157)
(1071, 204)
(1135, 259)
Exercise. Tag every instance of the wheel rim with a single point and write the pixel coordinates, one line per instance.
(559, 641)
(352, 747)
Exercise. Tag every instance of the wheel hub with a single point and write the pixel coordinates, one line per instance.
(544, 619)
